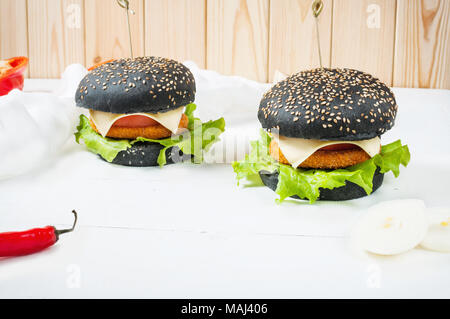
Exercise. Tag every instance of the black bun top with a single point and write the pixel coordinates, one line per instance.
(329, 104)
(147, 85)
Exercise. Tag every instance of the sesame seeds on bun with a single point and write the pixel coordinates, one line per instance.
(329, 104)
(140, 85)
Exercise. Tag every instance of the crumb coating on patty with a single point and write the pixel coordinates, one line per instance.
(153, 132)
(322, 159)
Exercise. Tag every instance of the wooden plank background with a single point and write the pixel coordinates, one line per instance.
(370, 46)
(293, 43)
(237, 37)
(406, 43)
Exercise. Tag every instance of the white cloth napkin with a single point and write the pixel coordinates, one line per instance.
(34, 126)
(237, 100)
(233, 97)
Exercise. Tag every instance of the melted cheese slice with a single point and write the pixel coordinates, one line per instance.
(104, 120)
(297, 150)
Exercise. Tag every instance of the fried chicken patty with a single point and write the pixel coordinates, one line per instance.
(322, 159)
(151, 132)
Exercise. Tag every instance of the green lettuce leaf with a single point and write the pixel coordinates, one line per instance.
(307, 183)
(106, 147)
(392, 155)
(198, 138)
(258, 160)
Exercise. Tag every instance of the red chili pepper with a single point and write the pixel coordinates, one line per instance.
(31, 241)
(12, 77)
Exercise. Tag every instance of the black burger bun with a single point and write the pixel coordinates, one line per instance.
(347, 192)
(329, 104)
(144, 154)
(140, 85)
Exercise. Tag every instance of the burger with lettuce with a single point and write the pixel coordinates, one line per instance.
(321, 137)
(141, 113)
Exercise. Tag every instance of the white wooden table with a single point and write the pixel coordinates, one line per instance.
(188, 231)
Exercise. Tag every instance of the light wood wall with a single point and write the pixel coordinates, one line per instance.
(406, 43)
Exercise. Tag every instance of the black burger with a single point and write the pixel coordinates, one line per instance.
(141, 113)
(321, 136)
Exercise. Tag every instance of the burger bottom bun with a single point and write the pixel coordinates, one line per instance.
(144, 154)
(151, 132)
(347, 192)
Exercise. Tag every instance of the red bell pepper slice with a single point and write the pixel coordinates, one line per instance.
(12, 77)
(99, 64)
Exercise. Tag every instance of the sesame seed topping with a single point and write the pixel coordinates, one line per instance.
(327, 97)
(172, 85)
